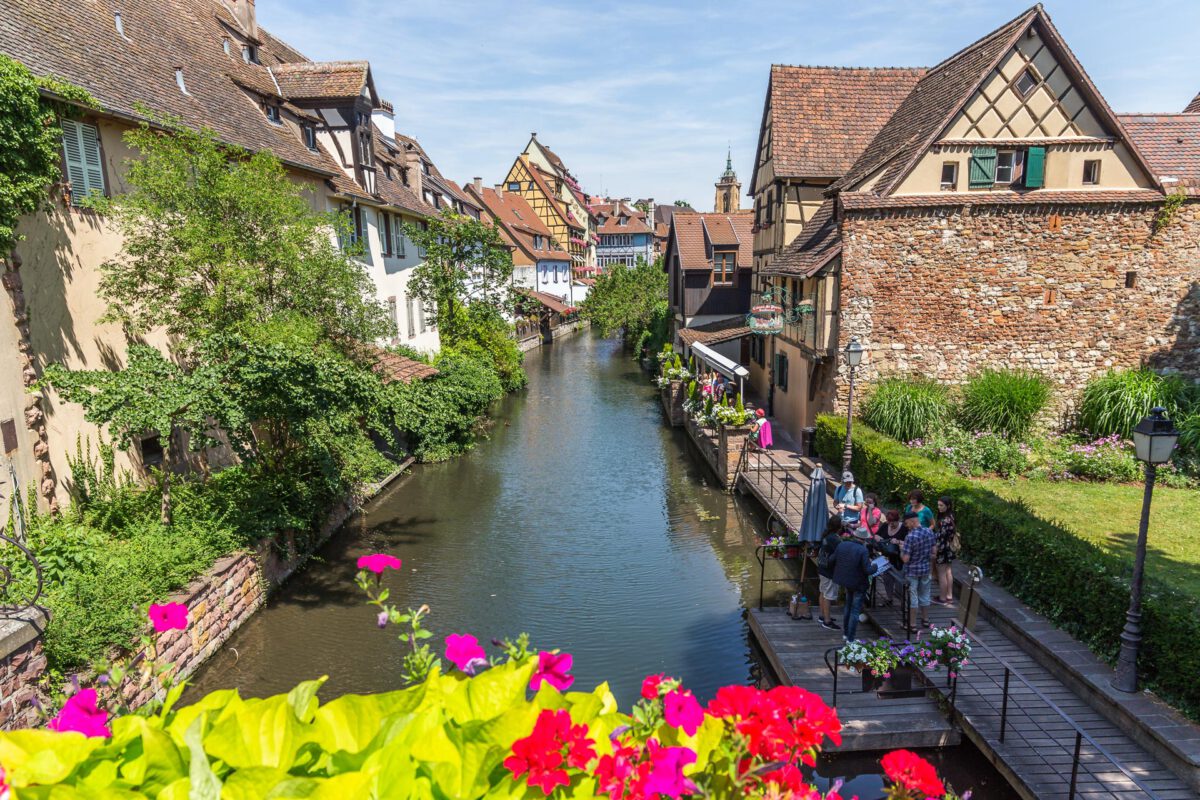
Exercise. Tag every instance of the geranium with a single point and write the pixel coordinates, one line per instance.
(650, 686)
(908, 770)
(681, 710)
(552, 668)
(619, 774)
(666, 770)
(378, 562)
(81, 714)
(783, 724)
(554, 742)
(465, 652)
(168, 617)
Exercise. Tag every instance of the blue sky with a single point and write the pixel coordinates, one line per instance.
(640, 99)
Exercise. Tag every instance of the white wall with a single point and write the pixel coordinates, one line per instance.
(554, 277)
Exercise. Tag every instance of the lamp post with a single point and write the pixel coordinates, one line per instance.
(1154, 439)
(854, 354)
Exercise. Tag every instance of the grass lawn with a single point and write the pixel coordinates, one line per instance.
(1108, 515)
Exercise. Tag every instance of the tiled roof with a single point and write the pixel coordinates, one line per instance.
(695, 234)
(393, 367)
(1171, 143)
(392, 191)
(930, 106)
(1194, 106)
(78, 42)
(521, 223)
(311, 80)
(822, 118)
(551, 302)
(724, 330)
(609, 217)
(818, 243)
(864, 200)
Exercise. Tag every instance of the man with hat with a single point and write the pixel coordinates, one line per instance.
(851, 566)
(916, 551)
(848, 500)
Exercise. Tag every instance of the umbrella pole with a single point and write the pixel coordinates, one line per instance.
(803, 565)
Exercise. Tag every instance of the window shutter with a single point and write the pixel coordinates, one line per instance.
(983, 167)
(89, 139)
(386, 237)
(1035, 167)
(73, 159)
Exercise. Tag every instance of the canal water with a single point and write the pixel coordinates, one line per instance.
(582, 519)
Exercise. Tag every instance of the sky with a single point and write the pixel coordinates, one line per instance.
(642, 99)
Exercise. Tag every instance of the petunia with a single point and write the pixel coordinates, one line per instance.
(465, 652)
(382, 619)
(650, 686)
(378, 562)
(681, 710)
(5, 794)
(168, 617)
(81, 714)
(553, 669)
(666, 770)
(908, 770)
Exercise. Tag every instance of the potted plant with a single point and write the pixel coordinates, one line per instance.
(900, 682)
(855, 656)
(949, 647)
(776, 547)
(792, 540)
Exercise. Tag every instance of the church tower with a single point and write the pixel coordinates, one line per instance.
(729, 189)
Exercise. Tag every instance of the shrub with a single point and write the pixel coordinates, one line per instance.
(1109, 458)
(1073, 582)
(1004, 401)
(975, 453)
(1189, 434)
(906, 408)
(1117, 400)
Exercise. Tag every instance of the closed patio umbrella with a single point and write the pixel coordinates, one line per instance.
(816, 514)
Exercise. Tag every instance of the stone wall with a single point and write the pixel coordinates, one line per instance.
(1069, 291)
(21, 665)
(672, 396)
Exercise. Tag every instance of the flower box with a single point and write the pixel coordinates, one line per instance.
(899, 683)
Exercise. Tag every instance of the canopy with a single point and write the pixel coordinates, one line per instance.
(726, 366)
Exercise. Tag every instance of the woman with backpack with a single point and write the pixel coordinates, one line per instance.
(946, 550)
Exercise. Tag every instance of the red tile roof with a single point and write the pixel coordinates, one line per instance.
(609, 218)
(822, 118)
(1171, 143)
(818, 243)
(1194, 106)
(695, 234)
(725, 330)
(551, 302)
(310, 80)
(393, 367)
(521, 223)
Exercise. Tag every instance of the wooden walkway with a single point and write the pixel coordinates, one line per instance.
(1038, 748)
(796, 651)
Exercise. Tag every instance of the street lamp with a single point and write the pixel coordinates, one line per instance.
(854, 354)
(1154, 439)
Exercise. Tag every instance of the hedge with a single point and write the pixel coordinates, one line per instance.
(1081, 588)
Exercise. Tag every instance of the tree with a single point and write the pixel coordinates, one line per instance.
(628, 300)
(30, 108)
(466, 262)
(682, 204)
(642, 206)
(217, 240)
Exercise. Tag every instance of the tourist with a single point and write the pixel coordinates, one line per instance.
(848, 500)
(916, 552)
(871, 517)
(891, 535)
(828, 590)
(916, 504)
(945, 550)
(762, 430)
(852, 571)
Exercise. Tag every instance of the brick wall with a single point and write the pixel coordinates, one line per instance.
(944, 292)
(21, 664)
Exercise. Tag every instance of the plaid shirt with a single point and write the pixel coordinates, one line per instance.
(919, 547)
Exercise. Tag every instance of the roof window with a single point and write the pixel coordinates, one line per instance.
(225, 46)
(179, 80)
(310, 137)
(250, 54)
(1027, 81)
(273, 113)
(120, 24)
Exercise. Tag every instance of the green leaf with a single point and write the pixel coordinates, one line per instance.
(252, 783)
(303, 699)
(39, 756)
(204, 782)
(153, 761)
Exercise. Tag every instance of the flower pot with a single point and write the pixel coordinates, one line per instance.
(899, 684)
(774, 552)
(869, 680)
(793, 551)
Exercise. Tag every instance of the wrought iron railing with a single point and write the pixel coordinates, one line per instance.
(20, 578)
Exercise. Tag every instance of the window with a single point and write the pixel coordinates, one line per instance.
(273, 114)
(1091, 172)
(151, 451)
(8, 432)
(84, 168)
(1131, 279)
(537, 242)
(310, 137)
(387, 171)
(394, 312)
(421, 316)
(514, 186)
(385, 235)
(249, 54)
(398, 240)
(412, 318)
(1008, 163)
(1026, 82)
(723, 267)
(781, 371)
(770, 207)
(1049, 296)
(225, 46)
(179, 81)
(949, 176)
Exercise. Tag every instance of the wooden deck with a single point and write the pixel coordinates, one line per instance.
(796, 651)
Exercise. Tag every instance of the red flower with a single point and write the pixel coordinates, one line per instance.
(785, 724)
(907, 769)
(554, 742)
(650, 686)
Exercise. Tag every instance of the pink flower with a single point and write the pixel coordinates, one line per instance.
(378, 562)
(465, 652)
(168, 617)
(552, 668)
(382, 619)
(681, 710)
(666, 770)
(650, 686)
(81, 714)
(4, 792)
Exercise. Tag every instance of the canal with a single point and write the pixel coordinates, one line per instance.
(582, 519)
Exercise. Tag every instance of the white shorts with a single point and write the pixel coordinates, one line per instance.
(829, 589)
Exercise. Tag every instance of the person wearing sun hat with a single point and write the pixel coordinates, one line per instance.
(762, 430)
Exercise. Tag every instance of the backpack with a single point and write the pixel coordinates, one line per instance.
(825, 553)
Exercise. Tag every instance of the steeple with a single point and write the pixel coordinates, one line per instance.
(729, 189)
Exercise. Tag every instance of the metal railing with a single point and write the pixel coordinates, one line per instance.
(760, 553)
(787, 495)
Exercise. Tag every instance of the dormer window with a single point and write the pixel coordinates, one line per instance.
(272, 112)
(514, 186)
(387, 171)
(425, 167)
(120, 24)
(1027, 81)
(310, 137)
(250, 53)
(179, 81)
(724, 264)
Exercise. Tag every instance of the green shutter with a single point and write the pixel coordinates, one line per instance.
(73, 160)
(1035, 167)
(983, 167)
(89, 142)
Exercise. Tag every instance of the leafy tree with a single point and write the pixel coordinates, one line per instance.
(485, 335)
(682, 204)
(642, 206)
(466, 262)
(217, 240)
(30, 141)
(440, 415)
(627, 300)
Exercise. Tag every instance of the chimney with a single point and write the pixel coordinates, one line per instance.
(385, 118)
(243, 12)
(415, 175)
(477, 182)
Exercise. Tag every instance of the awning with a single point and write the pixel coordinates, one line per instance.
(726, 366)
(549, 301)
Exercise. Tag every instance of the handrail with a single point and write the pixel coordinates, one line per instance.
(774, 491)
